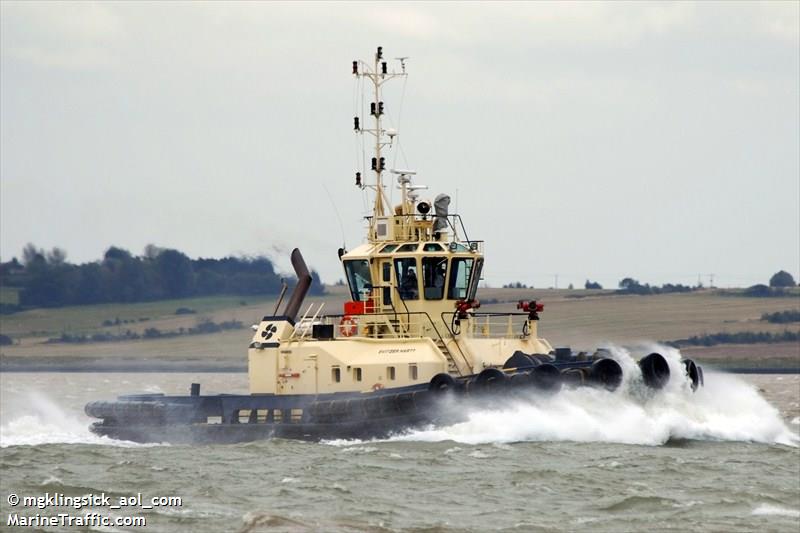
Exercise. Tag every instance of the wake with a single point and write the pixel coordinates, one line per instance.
(725, 409)
(45, 422)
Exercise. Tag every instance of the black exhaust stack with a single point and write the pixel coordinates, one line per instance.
(303, 284)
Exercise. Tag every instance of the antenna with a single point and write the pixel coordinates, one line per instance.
(378, 73)
(335, 210)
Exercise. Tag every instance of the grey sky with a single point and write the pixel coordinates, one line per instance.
(591, 140)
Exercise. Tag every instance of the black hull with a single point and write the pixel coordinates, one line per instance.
(235, 418)
(224, 419)
(239, 433)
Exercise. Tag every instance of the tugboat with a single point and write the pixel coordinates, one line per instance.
(409, 349)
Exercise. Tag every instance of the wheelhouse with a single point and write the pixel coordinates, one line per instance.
(412, 272)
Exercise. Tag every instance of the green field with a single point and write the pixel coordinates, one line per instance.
(577, 318)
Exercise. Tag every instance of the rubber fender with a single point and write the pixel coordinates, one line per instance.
(607, 373)
(442, 383)
(545, 377)
(320, 410)
(389, 404)
(692, 373)
(355, 408)
(520, 380)
(542, 358)
(573, 376)
(372, 407)
(125, 410)
(144, 397)
(520, 360)
(490, 380)
(564, 354)
(655, 370)
(469, 386)
(405, 402)
(339, 409)
(96, 410)
(601, 353)
(179, 412)
(423, 399)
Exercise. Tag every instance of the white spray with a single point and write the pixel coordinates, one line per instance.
(44, 422)
(725, 409)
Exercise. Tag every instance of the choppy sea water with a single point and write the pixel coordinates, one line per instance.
(721, 459)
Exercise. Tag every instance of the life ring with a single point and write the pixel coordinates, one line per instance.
(377, 386)
(348, 326)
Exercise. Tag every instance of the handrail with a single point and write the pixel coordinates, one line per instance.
(301, 330)
(408, 312)
(430, 321)
(452, 219)
(476, 316)
(391, 300)
(464, 357)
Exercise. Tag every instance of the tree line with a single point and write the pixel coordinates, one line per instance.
(782, 317)
(47, 279)
(740, 337)
(632, 286)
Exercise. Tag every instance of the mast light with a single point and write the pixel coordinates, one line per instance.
(402, 61)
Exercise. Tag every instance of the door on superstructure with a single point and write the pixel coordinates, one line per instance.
(385, 267)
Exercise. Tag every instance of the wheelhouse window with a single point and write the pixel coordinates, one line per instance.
(359, 279)
(434, 270)
(408, 248)
(408, 282)
(460, 270)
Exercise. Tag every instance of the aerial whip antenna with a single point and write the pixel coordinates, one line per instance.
(338, 217)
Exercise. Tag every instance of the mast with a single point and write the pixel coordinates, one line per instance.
(377, 74)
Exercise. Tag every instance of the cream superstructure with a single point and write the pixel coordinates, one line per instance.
(412, 289)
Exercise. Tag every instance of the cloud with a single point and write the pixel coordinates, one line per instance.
(66, 35)
(780, 20)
